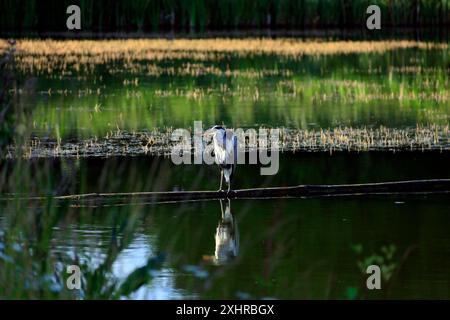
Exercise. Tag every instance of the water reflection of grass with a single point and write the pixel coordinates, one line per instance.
(143, 110)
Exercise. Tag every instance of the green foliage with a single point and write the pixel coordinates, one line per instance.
(386, 259)
(140, 276)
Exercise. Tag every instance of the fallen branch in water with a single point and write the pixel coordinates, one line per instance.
(301, 191)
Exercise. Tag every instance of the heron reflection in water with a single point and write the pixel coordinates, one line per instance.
(226, 237)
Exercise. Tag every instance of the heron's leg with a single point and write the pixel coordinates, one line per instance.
(221, 208)
(221, 178)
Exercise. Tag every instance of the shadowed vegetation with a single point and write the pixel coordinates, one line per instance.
(200, 15)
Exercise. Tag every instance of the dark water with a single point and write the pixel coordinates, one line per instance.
(128, 174)
(285, 248)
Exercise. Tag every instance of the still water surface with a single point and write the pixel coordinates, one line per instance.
(277, 248)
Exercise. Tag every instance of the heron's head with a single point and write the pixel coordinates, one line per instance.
(216, 129)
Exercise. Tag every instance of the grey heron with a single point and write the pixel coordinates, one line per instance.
(225, 152)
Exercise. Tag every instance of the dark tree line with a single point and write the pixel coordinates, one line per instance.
(227, 15)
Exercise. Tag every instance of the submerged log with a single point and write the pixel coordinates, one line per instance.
(301, 191)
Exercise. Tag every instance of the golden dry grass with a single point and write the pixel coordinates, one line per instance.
(143, 48)
(47, 56)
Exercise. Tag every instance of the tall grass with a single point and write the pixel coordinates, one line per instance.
(133, 49)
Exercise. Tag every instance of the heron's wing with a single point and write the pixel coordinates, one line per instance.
(231, 148)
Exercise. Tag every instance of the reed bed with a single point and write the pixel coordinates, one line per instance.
(84, 55)
(158, 142)
(138, 48)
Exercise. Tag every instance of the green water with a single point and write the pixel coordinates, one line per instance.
(399, 89)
